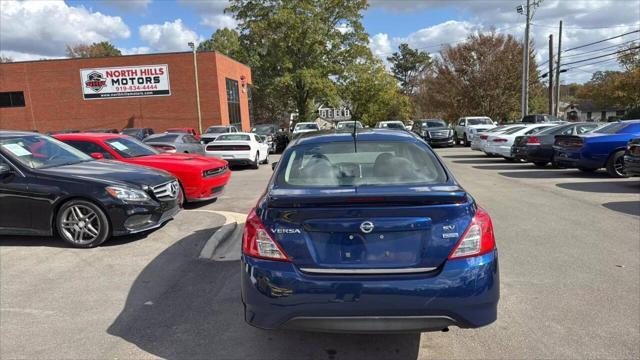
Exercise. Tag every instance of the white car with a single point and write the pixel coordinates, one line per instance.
(500, 144)
(239, 149)
(470, 125)
(344, 125)
(304, 127)
(479, 140)
(395, 124)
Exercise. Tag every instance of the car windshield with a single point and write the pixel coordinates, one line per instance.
(216, 130)
(479, 121)
(349, 125)
(375, 163)
(131, 131)
(234, 137)
(130, 147)
(166, 138)
(393, 125)
(613, 128)
(553, 130)
(306, 127)
(513, 130)
(264, 129)
(39, 152)
(434, 123)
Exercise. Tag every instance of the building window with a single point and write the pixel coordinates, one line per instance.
(233, 102)
(12, 99)
(603, 115)
(250, 98)
(588, 115)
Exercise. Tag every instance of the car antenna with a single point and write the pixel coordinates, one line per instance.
(355, 143)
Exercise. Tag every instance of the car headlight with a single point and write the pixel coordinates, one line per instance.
(127, 194)
(269, 138)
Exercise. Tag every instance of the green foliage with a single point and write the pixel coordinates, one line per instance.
(101, 49)
(225, 41)
(296, 48)
(408, 66)
(372, 93)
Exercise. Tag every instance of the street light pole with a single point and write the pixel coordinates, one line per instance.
(557, 104)
(195, 70)
(551, 89)
(525, 62)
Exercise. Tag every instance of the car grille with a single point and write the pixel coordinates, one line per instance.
(214, 172)
(166, 191)
(228, 148)
(439, 134)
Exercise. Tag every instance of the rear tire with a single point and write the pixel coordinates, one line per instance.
(82, 224)
(256, 162)
(615, 165)
(540, 163)
(266, 159)
(465, 141)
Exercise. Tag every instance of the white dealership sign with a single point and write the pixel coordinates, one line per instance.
(125, 81)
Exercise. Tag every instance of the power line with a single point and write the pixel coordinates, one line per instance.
(590, 64)
(601, 49)
(585, 28)
(601, 56)
(601, 41)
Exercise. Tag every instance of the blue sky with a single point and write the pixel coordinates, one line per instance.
(37, 29)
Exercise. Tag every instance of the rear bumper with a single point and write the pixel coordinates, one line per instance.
(462, 292)
(502, 150)
(538, 153)
(575, 159)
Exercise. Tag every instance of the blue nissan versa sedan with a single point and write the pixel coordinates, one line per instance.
(367, 232)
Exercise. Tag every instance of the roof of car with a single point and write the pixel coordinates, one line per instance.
(366, 134)
(13, 133)
(84, 136)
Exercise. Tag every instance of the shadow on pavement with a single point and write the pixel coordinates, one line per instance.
(515, 166)
(198, 204)
(183, 308)
(613, 187)
(482, 161)
(625, 207)
(56, 241)
(478, 156)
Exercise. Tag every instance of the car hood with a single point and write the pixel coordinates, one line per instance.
(111, 172)
(167, 161)
(210, 136)
(481, 126)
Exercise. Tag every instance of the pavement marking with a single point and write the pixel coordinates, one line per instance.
(28, 311)
(228, 230)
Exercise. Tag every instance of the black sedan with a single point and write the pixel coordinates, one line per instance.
(278, 140)
(436, 132)
(538, 148)
(632, 158)
(47, 186)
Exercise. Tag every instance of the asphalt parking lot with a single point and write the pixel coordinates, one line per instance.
(569, 247)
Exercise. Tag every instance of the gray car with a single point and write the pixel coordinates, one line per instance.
(175, 143)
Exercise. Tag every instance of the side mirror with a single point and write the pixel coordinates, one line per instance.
(97, 156)
(273, 165)
(6, 169)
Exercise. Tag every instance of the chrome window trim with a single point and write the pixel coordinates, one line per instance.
(367, 271)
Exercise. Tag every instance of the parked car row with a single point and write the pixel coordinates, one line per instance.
(585, 146)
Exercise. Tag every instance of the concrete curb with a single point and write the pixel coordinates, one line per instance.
(229, 230)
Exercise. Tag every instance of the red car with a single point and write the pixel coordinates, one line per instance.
(191, 131)
(202, 178)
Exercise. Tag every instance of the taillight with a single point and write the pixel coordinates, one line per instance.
(533, 141)
(498, 140)
(478, 239)
(484, 137)
(256, 241)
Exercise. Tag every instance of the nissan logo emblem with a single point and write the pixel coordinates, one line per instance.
(366, 227)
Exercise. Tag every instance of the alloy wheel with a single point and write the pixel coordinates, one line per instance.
(80, 224)
(618, 166)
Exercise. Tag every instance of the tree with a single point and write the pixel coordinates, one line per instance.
(481, 76)
(5, 59)
(296, 48)
(101, 49)
(629, 59)
(225, 41)
(408, 66)
(372, 94)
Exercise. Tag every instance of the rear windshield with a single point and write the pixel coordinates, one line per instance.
(234, 137)
(392, 125)
(479, 121)
(375, 163)
(513, 130)
(613, 128)
(216, 130)
(169, 138)
(307, 127)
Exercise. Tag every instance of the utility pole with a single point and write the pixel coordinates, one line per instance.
(551, 89)
(195, 70)
(525, 61)
(557, 104)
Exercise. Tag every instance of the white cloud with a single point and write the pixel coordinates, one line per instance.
(135, 50)
(42, 29)
(219, 21)
(170, 36)
(127, 5)
(585, 21)
(380, 45)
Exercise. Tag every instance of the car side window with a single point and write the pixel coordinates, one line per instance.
(534, 130)
(461, 122)
(584, 129)
(189, 139)
(89, 148)
(567, 131)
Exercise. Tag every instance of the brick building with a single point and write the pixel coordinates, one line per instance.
(154, 90)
